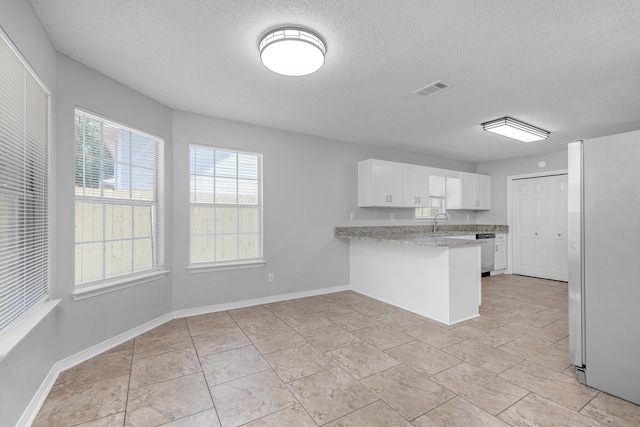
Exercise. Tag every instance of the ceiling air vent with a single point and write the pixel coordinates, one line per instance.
(434, 87)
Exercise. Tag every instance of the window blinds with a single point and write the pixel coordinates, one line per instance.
(24, 144)
(226, 205)
(116, 212)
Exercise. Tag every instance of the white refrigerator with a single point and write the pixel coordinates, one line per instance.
(604, 263)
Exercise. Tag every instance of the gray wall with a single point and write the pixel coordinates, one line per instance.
(26, 366)
(91, 321)
(310, 186)
(501, 170)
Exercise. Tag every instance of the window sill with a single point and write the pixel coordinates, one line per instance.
(230, 265)
(12, 337)
(116, 285)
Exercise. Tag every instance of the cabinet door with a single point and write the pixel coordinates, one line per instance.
(386, 183)
(467, 193)
(415, 191)
(500, 262)
(482, 191)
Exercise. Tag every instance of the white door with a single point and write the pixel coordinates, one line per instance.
(539, 216)
(557, 227)
(529, 198)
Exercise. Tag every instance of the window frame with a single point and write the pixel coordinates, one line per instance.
(231, 264)
(109, 284)
(28, 314)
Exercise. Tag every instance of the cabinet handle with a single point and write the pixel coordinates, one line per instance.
(390, 198)
(496, 249)
(418, 199)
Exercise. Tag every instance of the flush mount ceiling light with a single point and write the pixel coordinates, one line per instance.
(292, 51)
(514, 129)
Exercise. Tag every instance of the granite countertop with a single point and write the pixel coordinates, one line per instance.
(421, 235)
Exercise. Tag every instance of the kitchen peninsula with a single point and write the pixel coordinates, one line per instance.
(434, 275)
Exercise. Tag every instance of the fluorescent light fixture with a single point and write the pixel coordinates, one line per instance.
(514, 129)
(292, 51)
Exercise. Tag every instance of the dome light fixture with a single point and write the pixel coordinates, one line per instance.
(292, 51)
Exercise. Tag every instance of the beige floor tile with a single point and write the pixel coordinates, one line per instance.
(101, 367)
(406, 391)
(269, 343)
(208, 418)
(116, 420)
(328, 309)
(612, 411)
(248, 312)
(293, 416)
(383, 337)
(533, 351)
(423, 358)
(553, 385)
(229, 365)
(249, 398)
(85, 402)
(434, 335)
(353, 321)
(362, 360)
(534, 410)
(167, 401)
(263, 326)
(458, 412)
(294, 363)
(161, 345)
(307, 322)
(481, 388)
(370, 307)
(161, 367)
(545, 336)
(330, 394)
(398, 318)
(172, 328)
(376, 414)
(221, 340)
(330, 338)
(208, 323)
(491, 337)
(481, 355)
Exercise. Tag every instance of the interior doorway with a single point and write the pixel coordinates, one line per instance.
(538, 225)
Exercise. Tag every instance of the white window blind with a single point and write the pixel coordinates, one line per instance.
(117, 210)
(24, 169)
(226, 205)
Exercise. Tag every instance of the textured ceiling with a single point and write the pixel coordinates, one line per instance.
(571, 67)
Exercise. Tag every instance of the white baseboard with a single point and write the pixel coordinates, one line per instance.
(32, 410)
(257, 301)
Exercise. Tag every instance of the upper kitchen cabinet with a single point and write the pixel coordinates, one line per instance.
(379, 184)
(415, 186)
(469, 191)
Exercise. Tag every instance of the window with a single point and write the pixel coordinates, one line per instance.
(436, 198)
(24, 176)
(226, 206)
(117, 210)
(436, 206)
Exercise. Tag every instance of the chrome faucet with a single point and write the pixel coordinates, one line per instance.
(435, 220)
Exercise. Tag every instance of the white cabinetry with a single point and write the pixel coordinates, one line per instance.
(415, 186)
(469, 191)
(500, 261)
(379, 183)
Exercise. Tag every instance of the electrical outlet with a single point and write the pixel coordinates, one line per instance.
(271, 277)
(352, 216)
(393, 216)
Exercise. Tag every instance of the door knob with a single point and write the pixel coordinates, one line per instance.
(559, 235)
(535, 234)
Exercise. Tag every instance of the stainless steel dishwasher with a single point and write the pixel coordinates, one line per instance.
(487, 252)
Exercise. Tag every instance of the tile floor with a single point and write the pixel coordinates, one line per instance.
(344, 360)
